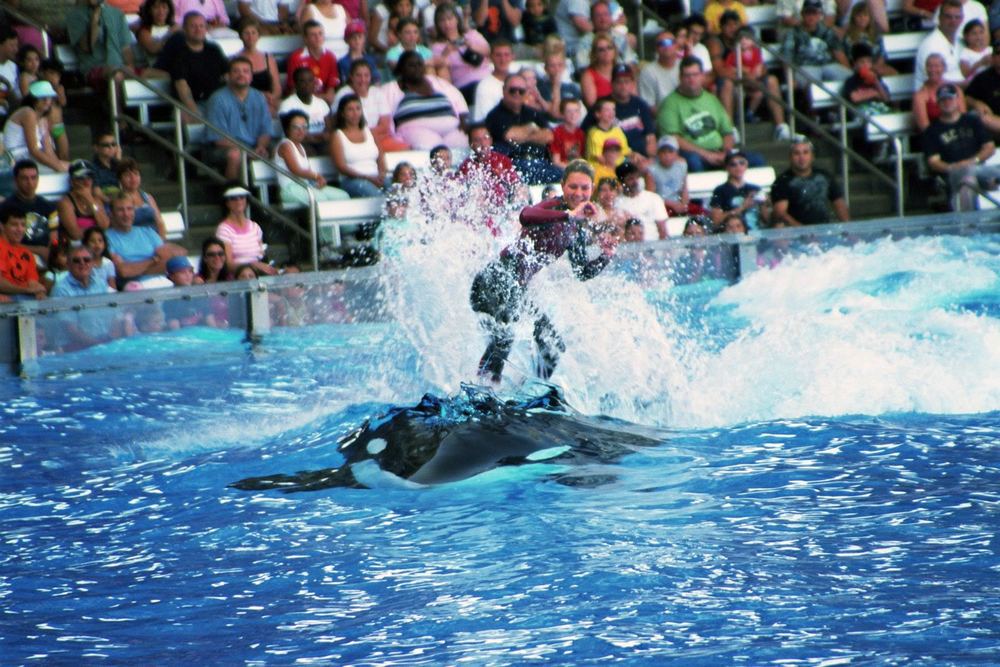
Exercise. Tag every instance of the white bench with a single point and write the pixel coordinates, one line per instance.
(902, 46)
(263, 176)
(701, 184)
(761, 16)
(279, 46)
(52, 184)
(900, 123)
(333, 215)
(174, 222)
(899, 87)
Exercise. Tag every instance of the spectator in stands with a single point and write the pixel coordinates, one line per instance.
(607, 192)
(139, 253)
(977, 53)
(18, 271)
(51, 70)
(355, 153)
(266, 78)
(660, 77)
(983, 93)
(103, 42)
(242, 237)
(595, 81)
(523, 134)
(36, 210)
(315, 108)
(944, 41)
(972, 10)
(57, 266)
(196, 66)
(956, 146)
(291, 154)
(669, 172)
(214, 12)
(317, 58)
(441, 163)
(554, 86)
(147, 212)
(925, 106)
(761, 87)
(568, 140)
(82, 282)
(572, 19)
(632, 114)
(212, 268)
(104, 164)
(538, 23)
(103, 269)
(736, 196)
(804, 194)
(494, 183)
(408, 39)
(27, 134)
(356, 36)
(275, 16)
(156, 25)
(462, 49)
(861, 29)
(646, 206)
(328, 13)
(498, 18)
(85, 327)
(815, 47)
(695, 116)
(604, 25)
(865, 88)
(605, 160)
(8, 70)
(489, 91)
(359, 82)
(80, 209)
(920, 13)
(29, 60)
(605, 126)
(715, 9)
(240, 112)
(185, 312)
(732, 224)
(695, 28)
(382, 29)
(790, 12)
(426, 110)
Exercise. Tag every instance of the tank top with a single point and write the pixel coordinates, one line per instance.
(298, 155)
(602, 83)
(14, 139)
(414, 106)
(145, 216)
(262, 80)
(362, 157)
(83, 220)
(333, 28)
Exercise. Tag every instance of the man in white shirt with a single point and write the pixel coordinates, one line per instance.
(645, 206)
(489, 91)
(943, 41)
(275, 16)
(315, 107)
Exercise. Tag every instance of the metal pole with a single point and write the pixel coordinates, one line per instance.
(843, 155)
(897, 146)
(790, 94)
(181, 165)
(740, 95)
(112, 94)
(313, 229)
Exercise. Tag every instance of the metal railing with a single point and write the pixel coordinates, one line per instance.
(21, 17)
(184, 156)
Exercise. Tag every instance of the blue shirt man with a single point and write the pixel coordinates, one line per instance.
(85, 327)
(241, 112)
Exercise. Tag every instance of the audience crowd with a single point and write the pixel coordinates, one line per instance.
(520, 87)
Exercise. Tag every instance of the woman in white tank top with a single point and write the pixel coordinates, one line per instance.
(291, 154)
(26, 134)
(359, 160)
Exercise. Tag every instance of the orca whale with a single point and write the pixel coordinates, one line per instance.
(446, 440)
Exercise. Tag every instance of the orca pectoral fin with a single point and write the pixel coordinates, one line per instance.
(309, 480)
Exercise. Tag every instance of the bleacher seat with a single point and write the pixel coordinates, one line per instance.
(263, 176)
(899, 87)
(174, 222)
(702, 183)
(762, 16)
(334, 215)
(52, 185)
(902, 46)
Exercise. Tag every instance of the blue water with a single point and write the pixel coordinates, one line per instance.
(826, 491)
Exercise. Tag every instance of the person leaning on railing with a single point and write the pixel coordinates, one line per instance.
(291, 155)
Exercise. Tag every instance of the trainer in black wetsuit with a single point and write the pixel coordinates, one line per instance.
(548, 230)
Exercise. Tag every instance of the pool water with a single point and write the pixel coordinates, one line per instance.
(826, 491)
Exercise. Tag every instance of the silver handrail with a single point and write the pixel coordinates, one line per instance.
(27, 20)
(179, 110)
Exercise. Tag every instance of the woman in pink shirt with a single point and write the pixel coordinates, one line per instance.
(243, 238)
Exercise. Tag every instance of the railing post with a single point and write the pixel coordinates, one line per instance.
(113, 105)
(27, 343)
(844, 177)
(244, 169)
(897, 146)
(313, 228)
(181, 164)
(747, 257)
(740, 95)
(790, 94)
(258, 315)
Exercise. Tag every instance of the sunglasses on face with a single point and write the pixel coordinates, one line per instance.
(81, 260)
(107, 144)
(297, 126)
(215, 253)
(518, 91)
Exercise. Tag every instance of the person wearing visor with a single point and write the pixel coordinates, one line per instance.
(79, 209)
(565, 225)
(242, 237)
(957, 145)
(660, 77)
(27, 135)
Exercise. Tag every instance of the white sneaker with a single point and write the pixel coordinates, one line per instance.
(782, 132)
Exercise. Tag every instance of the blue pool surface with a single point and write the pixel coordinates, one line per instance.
(826, 490)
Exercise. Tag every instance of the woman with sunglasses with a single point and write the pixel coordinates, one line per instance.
(565, 225)
(79, 209)
(212, 267)
(595, 82)
(290, 154)
(242, 237)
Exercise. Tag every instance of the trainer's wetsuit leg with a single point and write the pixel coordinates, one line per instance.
(496, 293)
(550, 346)
(492, 362)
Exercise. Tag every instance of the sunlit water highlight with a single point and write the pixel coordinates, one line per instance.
(826, 491)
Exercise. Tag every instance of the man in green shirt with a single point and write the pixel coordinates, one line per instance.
(99, 33)
(696, 117)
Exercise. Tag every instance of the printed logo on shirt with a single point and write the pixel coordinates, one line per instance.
(699, 124)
